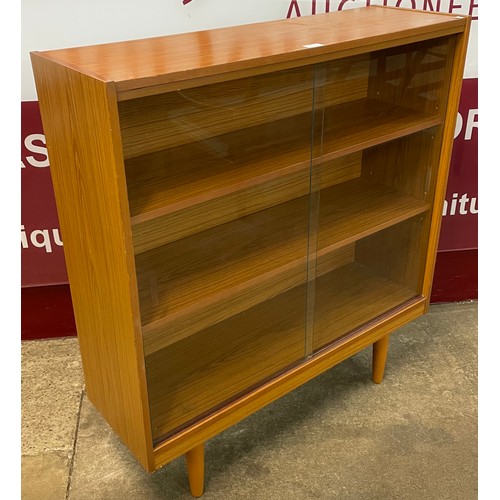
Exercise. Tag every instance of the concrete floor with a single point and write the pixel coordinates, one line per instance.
(337, 437)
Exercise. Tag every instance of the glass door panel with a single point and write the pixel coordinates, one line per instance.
(365, 279)
(219, 181)
(374, 169)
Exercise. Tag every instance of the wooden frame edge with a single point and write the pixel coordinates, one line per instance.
(125, 93)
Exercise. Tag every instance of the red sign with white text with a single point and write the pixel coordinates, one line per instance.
(42, 257)
(460, 211)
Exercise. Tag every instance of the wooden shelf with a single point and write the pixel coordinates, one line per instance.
(171, 189)
(178, 178)
(229, 358)
(183, 289)
(212, 170)
(200, 114)
(363, 123)
(358, 208)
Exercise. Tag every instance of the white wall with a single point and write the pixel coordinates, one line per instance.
(52, 24)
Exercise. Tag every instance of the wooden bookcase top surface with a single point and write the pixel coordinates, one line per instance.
(143, 63)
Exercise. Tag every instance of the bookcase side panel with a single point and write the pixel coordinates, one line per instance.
(81, 125)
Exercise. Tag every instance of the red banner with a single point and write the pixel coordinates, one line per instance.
(42, 257)
(460, 211)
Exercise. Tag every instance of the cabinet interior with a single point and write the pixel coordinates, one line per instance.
(275, 214)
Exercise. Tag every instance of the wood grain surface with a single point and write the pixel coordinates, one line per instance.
(234, 355)
(80, 123)
(242, 210)
(144, 65)
(194, 115)
(208, 200)
(189, 284)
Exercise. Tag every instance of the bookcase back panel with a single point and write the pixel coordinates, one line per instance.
(197, 187)
(414, 76)
(395, 164)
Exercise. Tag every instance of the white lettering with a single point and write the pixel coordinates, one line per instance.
(458, 125)
(45, 243)
(57, 238)
(465, 204)
(41, 238)
(471, 123)
(453, 204)
(24, 240)
(473, 206)
(29, 143)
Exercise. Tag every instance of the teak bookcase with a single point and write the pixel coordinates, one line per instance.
(243, 208)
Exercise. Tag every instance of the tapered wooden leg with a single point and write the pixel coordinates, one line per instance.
(379, 357)
(195, 461)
